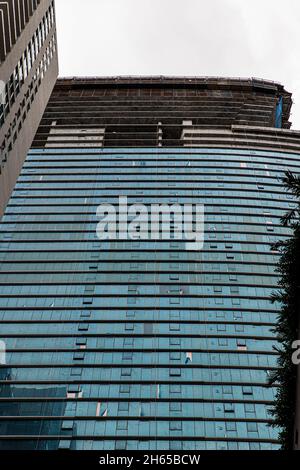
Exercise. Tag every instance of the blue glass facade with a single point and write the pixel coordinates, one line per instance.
(140, 344)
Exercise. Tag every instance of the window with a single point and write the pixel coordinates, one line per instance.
(227, 390)
(228, 408)
(120, 445)
(174, 341)
(230, 426)
(175, 406)
(148, 328)
(78, 356)
(67, 425)
(252, 427)
(123, 406)
(175, 426)
(122, 425)
(127, 355)
(83, 327)
(175, 372)
(174, 356)
(175, 445)
(64, 444)
(242, 347)
(175, 388)
(249, 408)
(217, 289)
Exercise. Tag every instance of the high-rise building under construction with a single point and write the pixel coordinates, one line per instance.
(28, 71)
(141, 343)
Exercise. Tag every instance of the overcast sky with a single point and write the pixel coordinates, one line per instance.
(238, 38)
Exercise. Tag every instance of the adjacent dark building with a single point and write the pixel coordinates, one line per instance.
(141, 344)
(28, 71)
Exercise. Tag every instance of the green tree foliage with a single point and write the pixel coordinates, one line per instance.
(287, 327)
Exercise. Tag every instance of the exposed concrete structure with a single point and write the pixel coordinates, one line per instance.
(159, 111)
(28, 71)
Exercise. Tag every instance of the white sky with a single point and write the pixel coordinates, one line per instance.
(238, 38)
